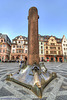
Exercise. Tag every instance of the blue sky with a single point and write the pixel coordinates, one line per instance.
(52, 17)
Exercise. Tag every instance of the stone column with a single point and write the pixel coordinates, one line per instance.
(33, 43)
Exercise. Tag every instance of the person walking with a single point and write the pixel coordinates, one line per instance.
(20, 64)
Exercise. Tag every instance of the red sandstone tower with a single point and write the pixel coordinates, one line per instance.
(33, 43)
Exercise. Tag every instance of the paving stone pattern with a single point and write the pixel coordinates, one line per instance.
(56, 89)
(5, 92)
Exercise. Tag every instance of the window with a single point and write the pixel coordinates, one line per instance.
(41, 43)
(58, 47)
(13, 51)
(46, 52)
(64, 48)
(19, 51)
(63, 44)
(0, 50)
(65, 53)
(46, 47)
(52, 43)
(41, 47)
(25, 51)
(1, 40)
(17, 46)
(4, 46)
(3, 50)
(13, 46)
(52, 47)
(52, 39)
(18, 41)
(59, 52)
(22, 51)
(52, 52)
(41, 51)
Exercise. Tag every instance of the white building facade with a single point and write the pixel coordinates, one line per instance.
(64, 48)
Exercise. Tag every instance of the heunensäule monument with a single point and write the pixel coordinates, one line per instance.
(35, 76)
(33, 43)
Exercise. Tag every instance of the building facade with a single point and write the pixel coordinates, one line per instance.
(41, 48)
(64, 48)
(19, 48)
(53, 49)
(5, 47)
(50, 48)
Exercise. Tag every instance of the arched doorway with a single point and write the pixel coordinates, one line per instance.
(0, 58)
(60, 59)
(26, 58)
(52, 59)
(42, 59)
(12, 57)
(17, 57)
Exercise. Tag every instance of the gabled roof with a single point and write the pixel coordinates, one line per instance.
(46, 37)
(17, 37)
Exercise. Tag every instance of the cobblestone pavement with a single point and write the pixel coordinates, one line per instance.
(56, 89)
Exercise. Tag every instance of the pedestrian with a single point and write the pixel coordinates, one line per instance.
(47, 60)
(20, 64)
(25, 60)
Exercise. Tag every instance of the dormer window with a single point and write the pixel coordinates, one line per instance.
(52, 39)
(19, 42)
(1, 40)
(13, 46)
(26, 42)
(13, 41)
(41, 43)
